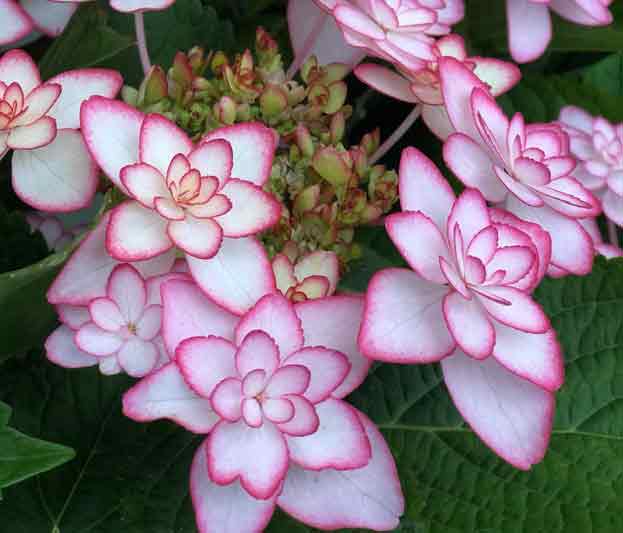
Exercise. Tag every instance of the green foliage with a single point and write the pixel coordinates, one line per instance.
(22, 457)
(606, 74)
(18, 247)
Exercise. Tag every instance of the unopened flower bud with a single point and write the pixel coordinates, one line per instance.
(154, 87)
(304, 140)
(337, 127)
(331, 166)
(273, 101)
(371, 141)
(129, 95)
(307, 199)
(225, 110)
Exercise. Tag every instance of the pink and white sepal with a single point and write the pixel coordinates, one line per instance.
(270, 397)
(423, 86)
(206, 200)
(51, 167)
(314, 275)
(466, 302)
(526, 169)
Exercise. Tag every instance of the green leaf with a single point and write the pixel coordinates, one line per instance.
(454, 484)
(22, 457)
(606, 74)
(540, 99)
(86, 42)
(27, 318)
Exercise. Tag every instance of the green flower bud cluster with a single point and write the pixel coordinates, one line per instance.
(327, 189)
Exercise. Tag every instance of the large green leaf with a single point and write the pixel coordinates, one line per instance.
(22, 457)
(606, 74)
(25, 316)
(134, 478)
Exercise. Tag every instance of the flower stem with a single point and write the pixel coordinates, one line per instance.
(397, 135)
(612, 234)
(141, 41)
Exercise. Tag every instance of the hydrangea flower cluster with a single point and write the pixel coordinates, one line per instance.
(212, 274)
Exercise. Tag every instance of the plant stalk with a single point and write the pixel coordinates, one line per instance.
(397, 135)
(141, 41)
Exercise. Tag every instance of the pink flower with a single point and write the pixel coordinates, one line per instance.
(598, 146)
(21, 18)
(526, 169)
(52, 168)
(423, 86)
(270, 397)
(205, 199)
(56, 235)
(85, 279)
(314, 275)
(398, 30)
(466, 303)
(530, 25)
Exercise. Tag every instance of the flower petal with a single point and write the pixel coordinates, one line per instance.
(403, 320)
(189, 313)
(258, 457)
(237, 276)
(17, 66)
(160, 141)
(136, 233)
(205, 362)
(30, 136)
(61, 349)
(213, 158)
(511, 415)
(164, 394)
(198, 237)
(469, 325)
(79, 85)
(253, 146)
(144, 183)
(340, 441)
(369, 497)
(225, 508)
(60, 176)
(521, 312)
(96, 341)
(50, 17)
(257, 351)
(106, 315)
(275, 316)
(127, 289)
(226, 399)
(288, 379)
(138, 357)
(529, 29)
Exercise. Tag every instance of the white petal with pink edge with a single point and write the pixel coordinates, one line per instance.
(61, 349)
(423, 188)
(127, 289)
(97, 341)
(164, 394)
(49, 17)
(403, 320)
(237, 276)
(469, 325)
(529, 29)
(252, 209)
(16, 22)
(86, 273)
(256, 456)
(78, 85)
(98, 117)
(511, 415)
(225, 508)
(257, 351)
(275, 316)
(138, 357)
(160, 141)
(198, 237)
(136, 233)
(30, 136)
(189, 313)
(333, 323)
(535, 357)
(501, 76)
(205, 361)
(17, 66)
(319, 263)
(386, 81)
(132, 6)
(408, 231)
(145, 183)
(340, 441)
(213, 158)
(369, 497)
(253, 146)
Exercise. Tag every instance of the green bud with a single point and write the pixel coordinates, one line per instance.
(337, 127)
(225, 110)
(154, 87)
(337, 97)
(335, 72)
(371, 141)
(310, 65)
(273, 101)
(307, 199)
(304, 140)
(331, 166)
(129, 95)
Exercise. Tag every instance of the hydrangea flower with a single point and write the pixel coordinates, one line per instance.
(19, 19)
(527, 169)
(530, 25)
(130, 6)
(88, 278)
(205, 199)
(51, 166)
(598, 146)
(56, 235)
(422, 86)
(267, 387)
(466, 302)
(314, 275)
